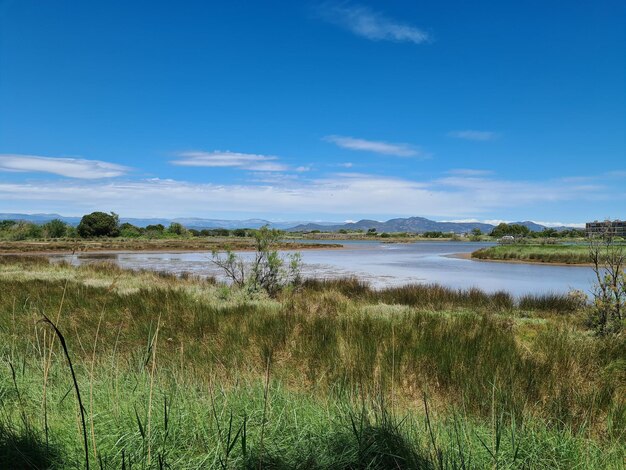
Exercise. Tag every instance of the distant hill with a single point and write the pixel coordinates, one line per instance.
(413, 225)
(410, 224)
(189, 222)
(532, 226)
(40, 218)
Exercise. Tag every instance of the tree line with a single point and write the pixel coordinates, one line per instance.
(102, 224)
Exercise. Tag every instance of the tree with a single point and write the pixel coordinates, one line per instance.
(128, 230)
(548, 232)
(5, 224)
(609, 291)
(24, 230)
(515, 230)
(99, 224)
(56, 228)
(475, 234)
(160, 228)
(177, 229)
(268, 270)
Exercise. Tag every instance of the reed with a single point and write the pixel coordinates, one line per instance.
(413, 377)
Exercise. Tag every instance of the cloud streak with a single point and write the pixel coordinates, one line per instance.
(375, 146)
(341, 194)
(69, 167)
(479, 136)
(243, 161)
(364, 22)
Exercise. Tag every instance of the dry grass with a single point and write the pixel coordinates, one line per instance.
(144, 244)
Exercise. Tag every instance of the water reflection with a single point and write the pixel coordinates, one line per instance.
(382, 265)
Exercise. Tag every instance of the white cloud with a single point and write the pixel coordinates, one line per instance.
(343, 194)
(560, 224)
(69, 167)
(372, 25)
(500, 221)
(473, 135)
(376, 146)
(244, 161)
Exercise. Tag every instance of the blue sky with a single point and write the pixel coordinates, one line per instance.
(315, 110)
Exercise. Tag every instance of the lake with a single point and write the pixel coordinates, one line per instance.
(383, 264)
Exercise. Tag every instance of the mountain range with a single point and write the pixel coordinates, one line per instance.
(410, 224)
(189, 222)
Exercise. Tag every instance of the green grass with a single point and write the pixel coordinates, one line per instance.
(185, 373)
(568, 254)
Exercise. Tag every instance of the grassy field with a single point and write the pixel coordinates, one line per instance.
(567, 254)
(146, 244)
(187, 373)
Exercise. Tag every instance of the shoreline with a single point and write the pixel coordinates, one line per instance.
(468, 256)
(155, 248)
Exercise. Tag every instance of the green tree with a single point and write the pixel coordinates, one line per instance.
(515, 230)
(177, 229)
(549, 232)
(475, 234)
(23, 231)
(128, 230)
(155, 228)
(99, 224)
(5, 224)
(56, 228)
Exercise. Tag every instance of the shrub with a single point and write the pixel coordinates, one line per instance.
(56, 228)
(609, 291)
(129, 230)
(268, 271)
(177, 229)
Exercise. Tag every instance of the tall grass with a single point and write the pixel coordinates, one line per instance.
(186, 374)
(438, 297)
(568, 254)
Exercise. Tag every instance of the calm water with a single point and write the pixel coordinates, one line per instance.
(385, 265)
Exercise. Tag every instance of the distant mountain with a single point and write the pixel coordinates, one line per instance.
(40, 218)
(411, 224)
(532, 226)
(189, 222)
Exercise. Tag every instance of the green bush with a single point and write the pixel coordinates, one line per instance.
(99, 224)
(56, 228)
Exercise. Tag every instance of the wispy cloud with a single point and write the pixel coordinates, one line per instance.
(473, 135)
(243, 161)
(470, 172)
(69, 167)
(376, 146)
(372, 25)
(343, 194)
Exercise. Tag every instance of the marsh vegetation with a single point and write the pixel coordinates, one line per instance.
(183, 372)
